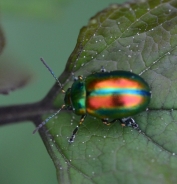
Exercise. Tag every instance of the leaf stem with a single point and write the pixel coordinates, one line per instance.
(16, 113)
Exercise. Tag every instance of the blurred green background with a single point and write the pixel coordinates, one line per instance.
(34, 29)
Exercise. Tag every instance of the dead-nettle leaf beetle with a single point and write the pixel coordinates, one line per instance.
(114, 95)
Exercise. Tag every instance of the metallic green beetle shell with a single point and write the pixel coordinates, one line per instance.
(116, 94)
(78, 96)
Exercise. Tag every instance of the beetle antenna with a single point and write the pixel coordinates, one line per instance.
(46, 120)
(50, 70)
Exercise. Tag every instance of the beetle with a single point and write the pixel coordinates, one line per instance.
(109, 96)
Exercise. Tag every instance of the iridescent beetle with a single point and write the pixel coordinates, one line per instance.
(114, 95)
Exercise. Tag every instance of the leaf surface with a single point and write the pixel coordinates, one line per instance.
(141, 37)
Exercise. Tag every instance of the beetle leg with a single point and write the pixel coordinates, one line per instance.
(76, 129)
(103, 69)
(129, 122)
(124, 122)
(105, 121)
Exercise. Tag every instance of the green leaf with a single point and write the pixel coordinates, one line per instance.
(140, 37)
